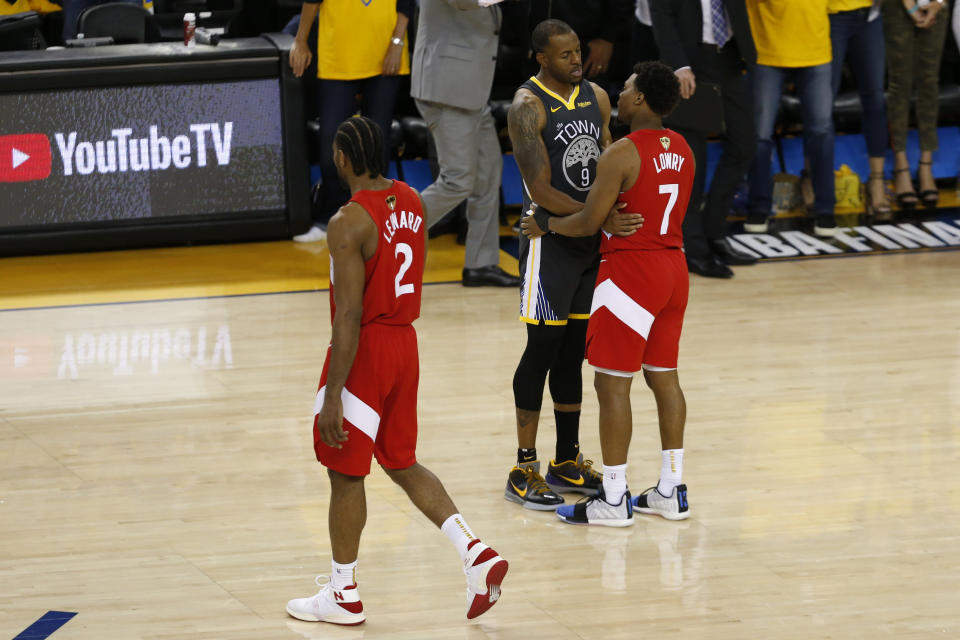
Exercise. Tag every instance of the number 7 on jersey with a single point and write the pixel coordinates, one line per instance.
(674, 191)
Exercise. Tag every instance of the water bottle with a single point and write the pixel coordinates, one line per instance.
(189, 29)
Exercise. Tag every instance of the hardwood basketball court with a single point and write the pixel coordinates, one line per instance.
(157, 474)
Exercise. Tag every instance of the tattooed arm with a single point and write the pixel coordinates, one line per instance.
(526, 120)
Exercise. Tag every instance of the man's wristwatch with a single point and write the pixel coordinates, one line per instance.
(397, 41)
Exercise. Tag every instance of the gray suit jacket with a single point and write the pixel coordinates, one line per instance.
(456, 53)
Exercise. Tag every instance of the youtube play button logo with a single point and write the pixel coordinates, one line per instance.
(24, 157)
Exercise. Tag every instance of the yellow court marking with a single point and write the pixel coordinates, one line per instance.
(191, 272)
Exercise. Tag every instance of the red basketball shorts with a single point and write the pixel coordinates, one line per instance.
(379, 403)
(637, 310)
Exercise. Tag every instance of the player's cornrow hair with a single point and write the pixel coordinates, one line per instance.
(361, 139)
(540, 38)
(659, 85)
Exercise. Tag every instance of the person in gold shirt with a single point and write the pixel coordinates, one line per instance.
(361, 49)
(793, 42)
(10, 7)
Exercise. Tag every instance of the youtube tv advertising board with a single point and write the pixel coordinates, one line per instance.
(136, 153)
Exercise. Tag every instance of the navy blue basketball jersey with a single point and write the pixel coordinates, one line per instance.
(572, 137)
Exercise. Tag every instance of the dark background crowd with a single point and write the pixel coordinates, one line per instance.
(811, 68)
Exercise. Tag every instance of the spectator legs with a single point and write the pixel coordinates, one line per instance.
(740, 143)
(816, 106)
(337, 101)
(767, 88)
(379, 95)
(470, 169)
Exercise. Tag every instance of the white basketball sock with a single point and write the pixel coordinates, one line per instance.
(343, 575)
(614, 482)
(459, 533)
(671, 470)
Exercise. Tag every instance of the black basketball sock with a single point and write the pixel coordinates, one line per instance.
(568, 435)
(526, 455)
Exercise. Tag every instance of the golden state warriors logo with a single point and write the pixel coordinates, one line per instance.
(392, 202)
(665, 141)
(580, 162)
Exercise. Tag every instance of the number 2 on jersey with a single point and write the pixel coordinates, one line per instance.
(407, 251)
(674, 191)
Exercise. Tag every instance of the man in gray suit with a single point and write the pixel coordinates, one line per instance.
(453, 64)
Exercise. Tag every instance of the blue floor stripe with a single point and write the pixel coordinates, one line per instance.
(46, 625)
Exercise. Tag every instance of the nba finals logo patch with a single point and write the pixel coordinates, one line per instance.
(665, 141)
(392, 202)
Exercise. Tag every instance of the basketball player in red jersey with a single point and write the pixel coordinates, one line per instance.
(367, 402)
(640, 297)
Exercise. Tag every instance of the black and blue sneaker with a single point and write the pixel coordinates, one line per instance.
(671, 507)
(596, 510)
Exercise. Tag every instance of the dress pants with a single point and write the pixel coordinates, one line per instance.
(471, 165)
(706, 218)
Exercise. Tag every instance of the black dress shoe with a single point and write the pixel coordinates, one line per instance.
(489, 276)
(729, 254)
(708, 267)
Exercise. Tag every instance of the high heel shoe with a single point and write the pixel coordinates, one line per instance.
(906, 200)
(880, 211)
(929, 197)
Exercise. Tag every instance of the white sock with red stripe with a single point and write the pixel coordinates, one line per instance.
(459, 533)
(343, 575)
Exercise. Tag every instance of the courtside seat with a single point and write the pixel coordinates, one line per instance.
(949, 105)
(499, 109)
(397, 143)
(21, 31)
(125, 23)
(416, 137)
(314, 143)
(848, 113)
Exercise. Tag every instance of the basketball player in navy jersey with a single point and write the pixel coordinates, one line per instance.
(558, 125)
(641, 295)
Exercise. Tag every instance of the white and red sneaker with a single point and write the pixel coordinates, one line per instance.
(485, 571)
(337, 606)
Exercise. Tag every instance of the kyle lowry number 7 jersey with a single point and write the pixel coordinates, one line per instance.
(661, 192)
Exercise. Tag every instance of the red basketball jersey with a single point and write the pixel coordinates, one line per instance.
(394, 274)
(661, 192)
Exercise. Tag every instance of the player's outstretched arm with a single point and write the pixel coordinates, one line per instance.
(612, 169)
(349, 230)
(525, 122)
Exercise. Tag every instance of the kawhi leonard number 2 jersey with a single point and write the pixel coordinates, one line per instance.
(394, 274)
(661, 192)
